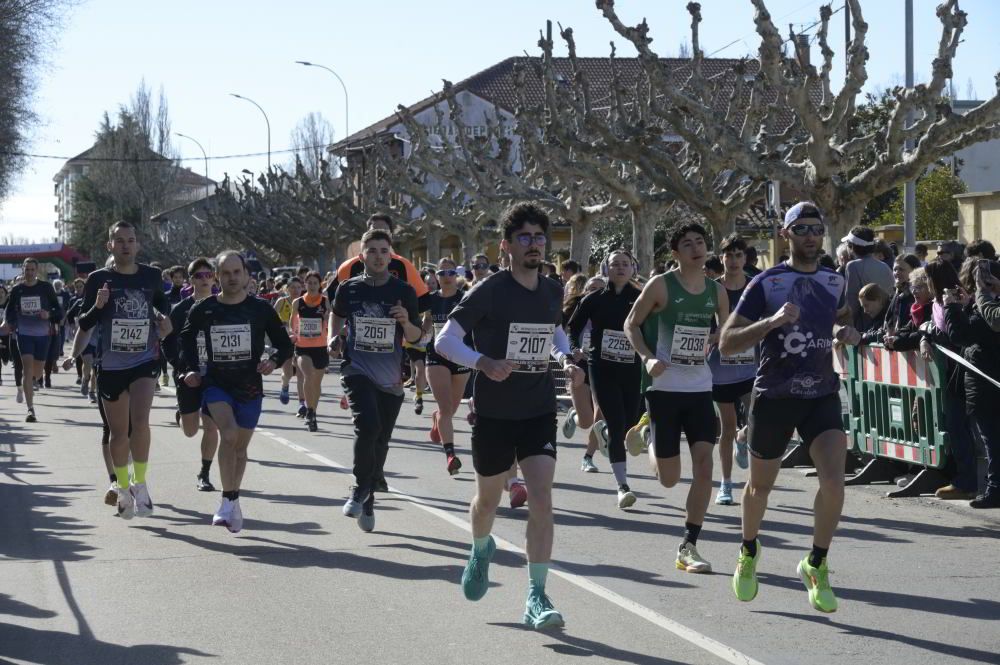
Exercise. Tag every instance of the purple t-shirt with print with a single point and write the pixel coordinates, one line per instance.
(796, 360)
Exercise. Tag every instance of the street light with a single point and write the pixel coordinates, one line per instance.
(203, 154)
(347, 131)
(233, 94)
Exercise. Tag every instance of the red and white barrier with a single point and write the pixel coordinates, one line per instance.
(897, 368)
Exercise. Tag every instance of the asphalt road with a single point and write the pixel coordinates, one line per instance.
(917, 578)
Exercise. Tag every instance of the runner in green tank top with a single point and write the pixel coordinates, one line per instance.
(670, 328)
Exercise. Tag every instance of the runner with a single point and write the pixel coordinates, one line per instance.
(127, 304)
(583, 413)
(447, 379)
(30, 313)
(613, 364)
(669, 326)
(380, 312)
(283, 306)
(514, 318)
(189, 415)
(795, 310)
(5, 356)
(233, 325)
(84, 358)
(416, 353)
(732, 376)
(311, 326)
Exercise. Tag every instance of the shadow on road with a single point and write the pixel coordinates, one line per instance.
(571, 645)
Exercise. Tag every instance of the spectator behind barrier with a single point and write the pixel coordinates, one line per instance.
(874, 304)
(981, 249)
(865, 268)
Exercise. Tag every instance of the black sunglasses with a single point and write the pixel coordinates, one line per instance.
(806, 229)
(449, 272)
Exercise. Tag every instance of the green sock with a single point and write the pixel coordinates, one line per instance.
(121, 473)
(480, 545)
(140, 471)
(537, 572)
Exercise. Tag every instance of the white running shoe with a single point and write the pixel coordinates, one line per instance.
(588, 466)
(143, 503)
(601, 428)
(111, 496)
(235, 517)
(690, 561)
(125, 504)
(626, 499)
(224, 514)
(20, 395)
(569, 425)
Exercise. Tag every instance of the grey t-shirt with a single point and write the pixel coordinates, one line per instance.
(863, 271)
(510, 321)
(374, 339)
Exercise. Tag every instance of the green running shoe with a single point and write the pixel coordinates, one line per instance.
(539, 612)
(476, 576)
(745, 578)
(817, 581)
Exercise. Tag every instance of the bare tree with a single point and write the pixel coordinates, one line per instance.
(815, 150)
(310, 139)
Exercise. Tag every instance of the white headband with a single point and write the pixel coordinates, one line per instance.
(854, 240)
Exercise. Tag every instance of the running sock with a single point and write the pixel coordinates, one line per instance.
(589, 458)
(481, 545)
(420, 393)
(232, 495)
(310, 413)
(750, 547)
(449, 448)
(817, 555)
(121, 475)
(691, 532)
(537, 573)
(206, 466)
(140, 471)
(114, 477)
(618, 468)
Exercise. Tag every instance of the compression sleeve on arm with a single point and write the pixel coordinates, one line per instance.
(560, 345)
(450, 344)
(90, 314)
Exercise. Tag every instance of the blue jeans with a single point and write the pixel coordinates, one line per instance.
(963, 449)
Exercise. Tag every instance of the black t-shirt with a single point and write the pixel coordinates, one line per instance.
(440, 309)
(234, 342)
(605, 310)
(26, 304)
(509, 321)
(172, 342)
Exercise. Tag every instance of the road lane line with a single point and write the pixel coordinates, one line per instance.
(704, 642)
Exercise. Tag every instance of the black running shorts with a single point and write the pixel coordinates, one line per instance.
(673, 413)
(773, 421)
(112, 383)
(496, 443)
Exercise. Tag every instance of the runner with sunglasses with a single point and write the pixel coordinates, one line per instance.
(283, 306)
(669, 326)
(310, 325)
(613, 363)
(189, 414)
(795, 311)
(447, 379)
(514, 318)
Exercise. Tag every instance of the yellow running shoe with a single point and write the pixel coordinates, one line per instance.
(636, 439)
(745, 578)
(817, 581)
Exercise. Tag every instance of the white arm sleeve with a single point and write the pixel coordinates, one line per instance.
(450, 344)
(560, 345)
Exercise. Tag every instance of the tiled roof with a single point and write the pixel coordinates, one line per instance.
(497, 84)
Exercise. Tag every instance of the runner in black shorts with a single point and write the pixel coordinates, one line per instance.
(310, 325)
(795, 310)
(514, 317)
(670, 327)
(446, 378)
(584, 412)
(614, 365)
(189, 413)
(234, 325)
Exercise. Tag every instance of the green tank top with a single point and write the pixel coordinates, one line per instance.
(679, 335)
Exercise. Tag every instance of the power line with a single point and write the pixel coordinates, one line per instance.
(14, 153)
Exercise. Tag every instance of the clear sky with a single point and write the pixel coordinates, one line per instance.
(387, 52)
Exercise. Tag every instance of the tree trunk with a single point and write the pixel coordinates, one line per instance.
(643, 227)
(581, 240)
(470, 243)
(843, 217)
(433, 244)
(339, 253)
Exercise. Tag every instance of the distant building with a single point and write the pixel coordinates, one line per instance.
(978, 165)
(191, 187)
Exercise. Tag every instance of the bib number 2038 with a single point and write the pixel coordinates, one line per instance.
(688, 346)
(528, 346)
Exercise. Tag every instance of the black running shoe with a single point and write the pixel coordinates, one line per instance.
(205, 485)
(380, 485)
(312, 425)
(418, 406)
(302, 411)
(31, 416)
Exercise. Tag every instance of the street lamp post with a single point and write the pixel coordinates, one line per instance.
(347, 130)
(203, 154)
(233, 94)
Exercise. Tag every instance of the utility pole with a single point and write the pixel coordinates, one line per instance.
(910, 189)
(847, 36)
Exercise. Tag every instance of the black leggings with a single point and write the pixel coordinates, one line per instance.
(374, 412)
(15, 359)
(615, 386)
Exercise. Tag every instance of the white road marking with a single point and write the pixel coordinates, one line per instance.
(704, 642)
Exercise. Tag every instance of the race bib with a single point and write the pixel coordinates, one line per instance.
(438, 327)
(230, 343)
(528, 346)
(202, 349)
(688, 346)
(375, 335)
(31, 305)
(742, 358)
(129, 335)
(616, 347)
(585, 341)
(310, 327)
